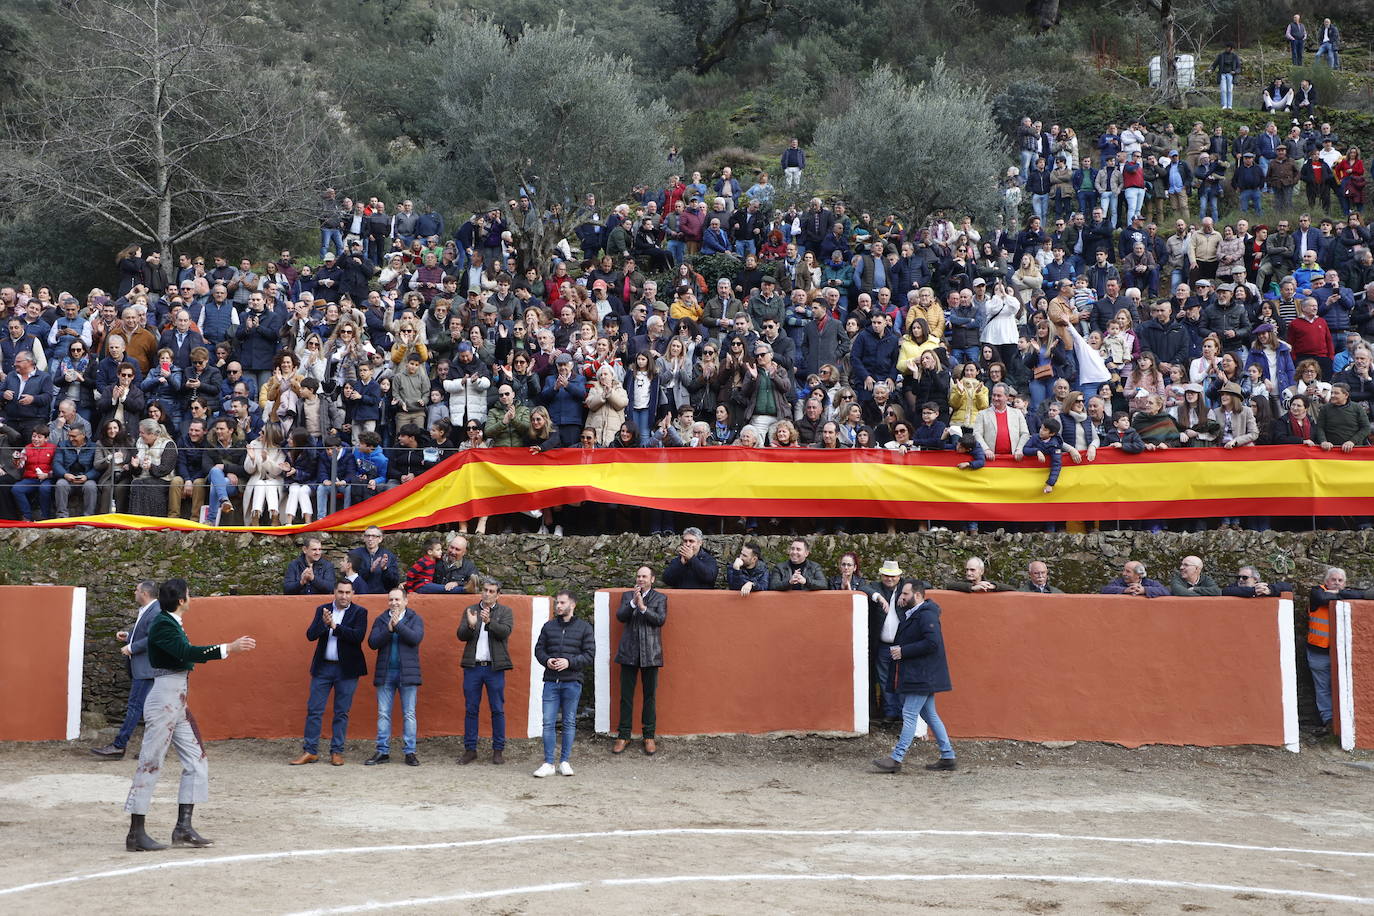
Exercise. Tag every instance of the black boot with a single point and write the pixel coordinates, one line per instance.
(138, 839)
(183, 834)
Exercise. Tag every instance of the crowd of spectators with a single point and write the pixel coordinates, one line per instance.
(280, 391)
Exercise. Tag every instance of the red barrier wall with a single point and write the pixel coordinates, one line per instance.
(770, 662)
(262, 694)
(1352, 673)
(41, 655)
(1132, 671)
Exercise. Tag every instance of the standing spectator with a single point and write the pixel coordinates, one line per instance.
(310, 573)
(1227, 66)
(919, 671)
(135, 650)
(484, 629)
(337, 631)
(565, 647)
(1133, 581)
(1329, 44)
(1191, 582)
(1296, 35)
(1341, 423)
(377, 567)
(396, 636)
(694, 566)
(797, 571)
(794, 161)
(643, 611)
(1319, 600)
(1310, 337)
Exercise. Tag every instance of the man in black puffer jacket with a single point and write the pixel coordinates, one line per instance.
(566, 647)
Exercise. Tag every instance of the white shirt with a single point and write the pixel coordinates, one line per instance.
(331, 647)
(483, 641)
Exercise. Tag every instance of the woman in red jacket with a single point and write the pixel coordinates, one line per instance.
(1349, 175)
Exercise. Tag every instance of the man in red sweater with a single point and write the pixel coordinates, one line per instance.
(1310, 338)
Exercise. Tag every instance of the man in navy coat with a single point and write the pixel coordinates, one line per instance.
(919, 671)
(135, 649)
(337, 630)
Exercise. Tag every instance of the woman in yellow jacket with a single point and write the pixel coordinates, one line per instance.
(915, 341)
(967, 396)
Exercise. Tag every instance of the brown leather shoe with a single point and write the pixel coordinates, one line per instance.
(469, 755)
(619, 746)
(336, 760)
(304, 759)
(650, 747)
(498, 757)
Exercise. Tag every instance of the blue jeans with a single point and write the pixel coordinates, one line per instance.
(329, 678)
(328, 237)
(1041, 390)
(1135, 199)
(743, 249)
(921, 706)
(961, 355)
(1027, 160)
(1227, 83)
(560, 702)
(1040, 206)
(1296, 47)
(1251, 199)
(1086, 201)
(643, 420)
(133, 713)
(24, 491)
(892, 702)
(327, 499)
(1333, 57)
(220, 488)
(677, 251)
(1320, 663)
(1208, 201)
(495, 682)
(386, 693)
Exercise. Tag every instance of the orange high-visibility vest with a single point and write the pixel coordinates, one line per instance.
(1319, 627)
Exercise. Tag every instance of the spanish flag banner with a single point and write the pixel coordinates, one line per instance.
(848, 483)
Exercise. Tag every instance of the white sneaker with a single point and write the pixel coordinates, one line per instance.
(543, 529)
(558, 531)
(565, 768)
(545, 769)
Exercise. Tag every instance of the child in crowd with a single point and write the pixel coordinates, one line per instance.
(968, 445)
(1049, 447)
(1122, 436)
(421, 572)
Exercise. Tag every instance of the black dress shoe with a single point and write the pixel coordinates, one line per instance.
(376, 758)
(887, 765)
(412, 760)
(109, 752)
(944, 763)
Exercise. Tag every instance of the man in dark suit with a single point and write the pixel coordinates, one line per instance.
(181, 339)
(135, 649)
(378, 567)
(485, 627)
(337, 630)
(643, 611)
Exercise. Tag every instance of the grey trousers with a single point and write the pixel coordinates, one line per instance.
(166, 723)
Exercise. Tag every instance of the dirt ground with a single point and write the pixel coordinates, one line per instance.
(735, 825)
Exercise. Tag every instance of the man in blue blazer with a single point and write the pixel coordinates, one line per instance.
(135, 649)
(337, 630)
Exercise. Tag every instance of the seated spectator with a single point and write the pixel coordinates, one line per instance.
(35, 484)
(378, 567)
(694, 566)
(421, 572)
(1342, 423)
(797, 571)
(1133, 581)
(748, 573)
(973, 580)
(454, 572)
(1191, 582)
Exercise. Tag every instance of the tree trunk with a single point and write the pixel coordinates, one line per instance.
(1168, 63)
(161, 172)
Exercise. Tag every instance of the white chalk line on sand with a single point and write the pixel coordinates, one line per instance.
(664, 831)
(374, 905)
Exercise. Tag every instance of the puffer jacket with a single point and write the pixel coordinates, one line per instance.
(606, 411)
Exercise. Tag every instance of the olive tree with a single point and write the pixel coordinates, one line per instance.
(915, 149)
(545, 113)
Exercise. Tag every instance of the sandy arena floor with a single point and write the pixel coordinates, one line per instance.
(757, 826)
